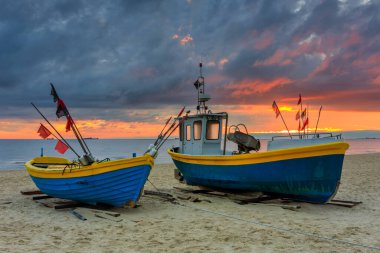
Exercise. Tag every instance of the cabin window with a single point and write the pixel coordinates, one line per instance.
(188, 132)
(181, 132)
(197, 128)
(212, 130)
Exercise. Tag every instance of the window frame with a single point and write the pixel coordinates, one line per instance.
(207, 127)
(188, 127)
(181, 132)
(200, 133)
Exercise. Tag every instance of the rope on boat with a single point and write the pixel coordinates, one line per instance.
(300, 232)
(153, 185)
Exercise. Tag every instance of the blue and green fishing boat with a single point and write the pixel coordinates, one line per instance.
(305, 169)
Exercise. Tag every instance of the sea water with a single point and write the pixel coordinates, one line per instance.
(14, 153)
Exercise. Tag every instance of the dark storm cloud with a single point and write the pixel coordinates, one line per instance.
(107, 56)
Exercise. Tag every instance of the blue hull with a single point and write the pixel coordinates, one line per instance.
(312, 179)
(116, 188)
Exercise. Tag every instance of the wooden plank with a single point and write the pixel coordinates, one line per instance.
(67, 204)
(46, 203)
(42, 197)
(33, 192)
(255, 200)
(58, 204)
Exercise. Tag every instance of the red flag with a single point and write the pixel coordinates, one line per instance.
(69, 123)
(275, 109)
(61, 147)
(299, 100)
(43, 131)
(303, 114)
(298, 115)
(305, 123)
(61, 109)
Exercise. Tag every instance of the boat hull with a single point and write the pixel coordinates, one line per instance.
(117, 183)
(309, 174)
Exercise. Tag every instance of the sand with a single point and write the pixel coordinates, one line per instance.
(160, 226)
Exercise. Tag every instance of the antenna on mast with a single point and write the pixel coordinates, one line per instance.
(202, 96)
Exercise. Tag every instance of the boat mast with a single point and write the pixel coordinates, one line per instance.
(202, 96)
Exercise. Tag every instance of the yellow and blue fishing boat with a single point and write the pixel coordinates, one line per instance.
(117, 183)
(306, 169)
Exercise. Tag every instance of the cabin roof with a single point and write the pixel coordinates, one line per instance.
(219, 114)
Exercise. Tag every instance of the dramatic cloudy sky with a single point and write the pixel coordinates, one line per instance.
(123, 66)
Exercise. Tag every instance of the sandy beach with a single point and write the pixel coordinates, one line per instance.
(220, 226)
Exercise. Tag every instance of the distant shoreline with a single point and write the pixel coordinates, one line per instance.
(348, 135)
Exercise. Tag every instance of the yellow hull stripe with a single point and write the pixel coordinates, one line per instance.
(56, 166)
(268, 156)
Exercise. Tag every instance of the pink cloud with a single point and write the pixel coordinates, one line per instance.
(250, 87)
(265, 40)
(186, 39)
(278, 58)
(353, 38)
(376, 81)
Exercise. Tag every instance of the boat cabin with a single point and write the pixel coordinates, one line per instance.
(202, 134)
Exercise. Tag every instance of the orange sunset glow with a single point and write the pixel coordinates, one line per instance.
(126, 84)
(258, 119)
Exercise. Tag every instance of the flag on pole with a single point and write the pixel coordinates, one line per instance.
(275, 109)
(303, 114)
(299, 99)
(53, 92)
(61, 109)
(298, 115)
(305, 123)
(69, 123)
(61, 147)
(43, 132)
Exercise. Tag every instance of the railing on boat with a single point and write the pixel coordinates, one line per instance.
(309, 136)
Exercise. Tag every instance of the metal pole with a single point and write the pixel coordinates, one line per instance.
(319, 115)
(55, 130)
(160, 135)
(76, 131)
(78, 138)
(302, 121)
(172, 125)
(225, 135)
(81, 136)
(284, 123)
(307, 118)
(74, 127)
(162, 142)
